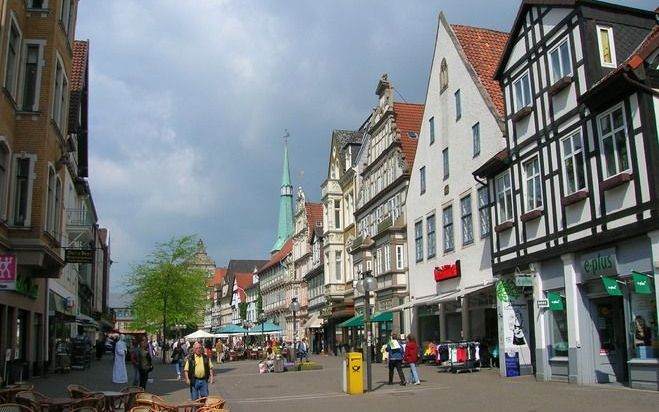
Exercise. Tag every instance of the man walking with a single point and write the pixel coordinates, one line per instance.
(198, 372)
(395, 351)
(219, 350)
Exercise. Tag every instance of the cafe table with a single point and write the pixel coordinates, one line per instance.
(114, 400)
(58, 404)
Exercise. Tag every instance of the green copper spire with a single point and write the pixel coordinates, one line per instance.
(285, 228)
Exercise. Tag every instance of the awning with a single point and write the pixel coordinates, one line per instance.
(443, 298)
(85, 320)
(383, 317)
(354, 322)
(314, 322)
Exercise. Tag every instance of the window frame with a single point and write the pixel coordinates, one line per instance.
(60, 95)
(418, 240)
(535, 180)
(573, 156)
(446, 164)
(476, 139)
(5, 173)
(422, 180)
(443, 76)
(602, 137)
(28, 186)
(40, 44)
(431, 239)
(467, 221)
(516, 103)
(505, 194)
(13, 68)
(44, 6)
(448, 234)
(565, 42)
(431, 128)
(609, 31)
(484, 211)
(400, 257)
(336, 207)
(458, 105)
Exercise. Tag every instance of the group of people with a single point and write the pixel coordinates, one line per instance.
(397, 353)
(141, 357)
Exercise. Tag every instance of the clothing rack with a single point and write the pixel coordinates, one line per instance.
(456, 357)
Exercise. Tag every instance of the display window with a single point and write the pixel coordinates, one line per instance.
(558, 324)
(643, 327)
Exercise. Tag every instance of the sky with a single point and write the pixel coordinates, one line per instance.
(189, 102)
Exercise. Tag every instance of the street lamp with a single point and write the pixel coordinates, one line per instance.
(262, 319)
(365, 286)
(294, 307)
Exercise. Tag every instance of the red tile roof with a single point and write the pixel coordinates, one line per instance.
(484, 48)
(408, 117)
(314, 216)
(279, 256)
(219, 276)
(79, 64)
(244, 280)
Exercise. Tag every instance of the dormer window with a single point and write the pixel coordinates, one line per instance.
(606, 46)
(522, 92)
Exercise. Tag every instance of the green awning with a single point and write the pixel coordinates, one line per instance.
(642, 283)
(555, 301)
(382, 317)
(611, 286)
(356, 321)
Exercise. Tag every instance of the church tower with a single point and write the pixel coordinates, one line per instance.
(285, 228)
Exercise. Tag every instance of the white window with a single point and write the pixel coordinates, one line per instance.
(60, 96)
(338, 264)
(560, 61)
(574, 166)
(418, 240)
(448, 229)
(432, 242)
(445, 163)
(400, 260)
(422, 179)
(337, 214)
(378, 261)
(476, 139)
(613, 135)
(387, 257)
(606, 46)
(22, 196)
(67, 14)
(522, 92)
(533, 180)
(484, 211)
(13, 52)
(467, 221)
(504, 194)
(31, 76)
(37, 4)
(50, 198)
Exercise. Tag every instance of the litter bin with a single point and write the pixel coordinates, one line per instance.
(354, 373)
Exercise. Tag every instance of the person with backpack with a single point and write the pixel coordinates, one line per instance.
(198, 372)
(178, 356)
(302, 350)
(395, 352)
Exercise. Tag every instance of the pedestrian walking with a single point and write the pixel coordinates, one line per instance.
(219, 350)
(411, 356)
(144, 361)
(119, 374)
(198, 372)
(134, 349)
(395, 352)
(178, 357)
(302, 350)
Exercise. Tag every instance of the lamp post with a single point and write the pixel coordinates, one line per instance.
(365, 285)
(294, 307)
(262, 319)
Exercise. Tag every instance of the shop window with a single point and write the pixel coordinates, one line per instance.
(559, 340)
(644, 326)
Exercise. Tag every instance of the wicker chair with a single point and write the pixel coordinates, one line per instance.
(84, 409)
(140, 408)
(131, 391)
(32, 399)
(78, 391)
(14, 407)
(212, 409)
(147, 399)
(211, 402)
(92, 400)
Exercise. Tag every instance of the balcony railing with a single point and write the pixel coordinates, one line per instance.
(79, 217)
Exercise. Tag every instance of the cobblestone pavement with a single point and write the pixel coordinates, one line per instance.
(245, 390)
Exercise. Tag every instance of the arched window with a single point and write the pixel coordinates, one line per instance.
(4, 175)
(443, 76)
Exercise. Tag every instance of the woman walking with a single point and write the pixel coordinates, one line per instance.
(411, 356)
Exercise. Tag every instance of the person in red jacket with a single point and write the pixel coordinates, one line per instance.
(411, 356)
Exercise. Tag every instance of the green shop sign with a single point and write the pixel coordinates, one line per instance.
(642, 283)
(555, 301)
(25, 286)
(507, 290)
(600, 265)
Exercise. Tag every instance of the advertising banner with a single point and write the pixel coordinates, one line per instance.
(7, 272)
(514, 326)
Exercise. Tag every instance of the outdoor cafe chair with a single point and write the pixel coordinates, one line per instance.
(92, 400)
(14, 407)
(131, 391)
(78, 391)
(140, 408)
(148, 399)
(8, 395)
(212, 409)
(85, 409)
(32, 399)
(211, 401)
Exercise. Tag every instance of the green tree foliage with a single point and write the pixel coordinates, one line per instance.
(166, 289)
(242, 309)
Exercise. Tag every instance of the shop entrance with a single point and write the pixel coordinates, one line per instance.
(609, 340)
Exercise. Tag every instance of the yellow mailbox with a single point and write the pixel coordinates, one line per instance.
(354, 374)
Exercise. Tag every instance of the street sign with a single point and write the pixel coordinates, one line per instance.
(79, 255)
(542, 303)
(523, 280)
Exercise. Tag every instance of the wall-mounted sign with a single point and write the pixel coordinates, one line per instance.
(7, 272)
(601, 263)
(447, 271)
(79, 255)
(523, 280)
(542, 303)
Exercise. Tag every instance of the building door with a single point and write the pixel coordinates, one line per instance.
(609, 339)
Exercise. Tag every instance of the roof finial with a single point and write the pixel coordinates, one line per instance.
(286, 136)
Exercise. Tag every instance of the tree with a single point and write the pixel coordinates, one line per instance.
(167, 289)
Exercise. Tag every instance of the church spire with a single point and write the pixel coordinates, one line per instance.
(285, 228)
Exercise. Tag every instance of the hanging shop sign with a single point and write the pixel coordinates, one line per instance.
(447, 271)
(523, 280)
(611, 286)
(642, 283)
(8, 272)
(602, 263)
(79, 255)
(555, 301)
(542, 303)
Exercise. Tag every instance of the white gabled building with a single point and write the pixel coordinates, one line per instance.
(451, 285)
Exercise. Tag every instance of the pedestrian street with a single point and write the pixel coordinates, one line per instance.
(246, 390)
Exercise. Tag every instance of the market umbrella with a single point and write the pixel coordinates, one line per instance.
(268, 328)
(200, 334)
(231, 329)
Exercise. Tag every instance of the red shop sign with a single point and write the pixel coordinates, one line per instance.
(447, 271)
